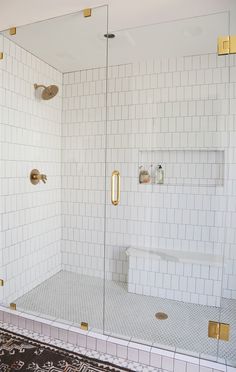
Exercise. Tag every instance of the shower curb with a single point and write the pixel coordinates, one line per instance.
(169, 361)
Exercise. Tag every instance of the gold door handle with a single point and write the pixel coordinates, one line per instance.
(115, 175)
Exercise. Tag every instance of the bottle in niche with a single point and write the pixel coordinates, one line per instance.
(159, 174)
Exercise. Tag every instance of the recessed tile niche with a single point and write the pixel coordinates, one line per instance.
(189, 167)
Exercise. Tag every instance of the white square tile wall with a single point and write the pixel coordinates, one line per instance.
(179, 104)
(30, 137)
(83, 171)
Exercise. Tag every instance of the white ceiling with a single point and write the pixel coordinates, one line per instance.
(73, 42)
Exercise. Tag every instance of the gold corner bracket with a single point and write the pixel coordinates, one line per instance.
(87, 12)
(12, 31)
(226, 45)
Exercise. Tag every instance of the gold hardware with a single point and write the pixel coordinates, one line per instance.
(47, 92)
(84, 326)
(226, 45)
(12, 31)
(217, 330)
(36, 177)
(233, 44)
(87, 12)
(12, 306)
(1, 282)
(115, 200)
(224, 331)
(213, 329)
(36, 86)
(1, 55)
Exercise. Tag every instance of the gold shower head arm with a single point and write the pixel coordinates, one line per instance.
(36, 86)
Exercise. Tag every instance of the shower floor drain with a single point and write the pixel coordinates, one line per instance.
(161, 316)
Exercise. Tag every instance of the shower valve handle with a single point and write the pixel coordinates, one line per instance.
(36, 177)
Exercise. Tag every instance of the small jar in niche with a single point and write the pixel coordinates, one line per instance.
(144, 175)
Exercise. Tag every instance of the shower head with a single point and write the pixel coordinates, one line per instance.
(48, 92)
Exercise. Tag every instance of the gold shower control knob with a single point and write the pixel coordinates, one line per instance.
(36, 177)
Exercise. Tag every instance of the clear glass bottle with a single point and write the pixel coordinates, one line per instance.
(159, 174)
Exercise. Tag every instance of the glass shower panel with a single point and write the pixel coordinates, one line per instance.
(165, 179)
(227, 349)
(53, 231)
(1, 170)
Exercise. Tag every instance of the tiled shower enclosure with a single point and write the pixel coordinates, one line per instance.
(75, 249)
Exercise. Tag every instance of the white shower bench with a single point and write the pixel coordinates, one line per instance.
(176, 275)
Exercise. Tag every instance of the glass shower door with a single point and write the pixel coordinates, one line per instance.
(52, 232)
(165, 179)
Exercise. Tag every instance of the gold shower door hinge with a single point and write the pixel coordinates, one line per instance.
(1, 282)
(217, 330)
(226, 45)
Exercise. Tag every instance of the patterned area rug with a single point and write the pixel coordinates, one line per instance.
(19, 353)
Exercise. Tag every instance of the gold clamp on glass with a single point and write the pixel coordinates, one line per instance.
(12, 31)
(226, 45)
(115, 199)
(87, 12)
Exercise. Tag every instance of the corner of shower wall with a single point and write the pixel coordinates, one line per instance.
(83, 171)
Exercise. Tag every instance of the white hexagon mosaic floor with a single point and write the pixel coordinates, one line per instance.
(75, 298)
